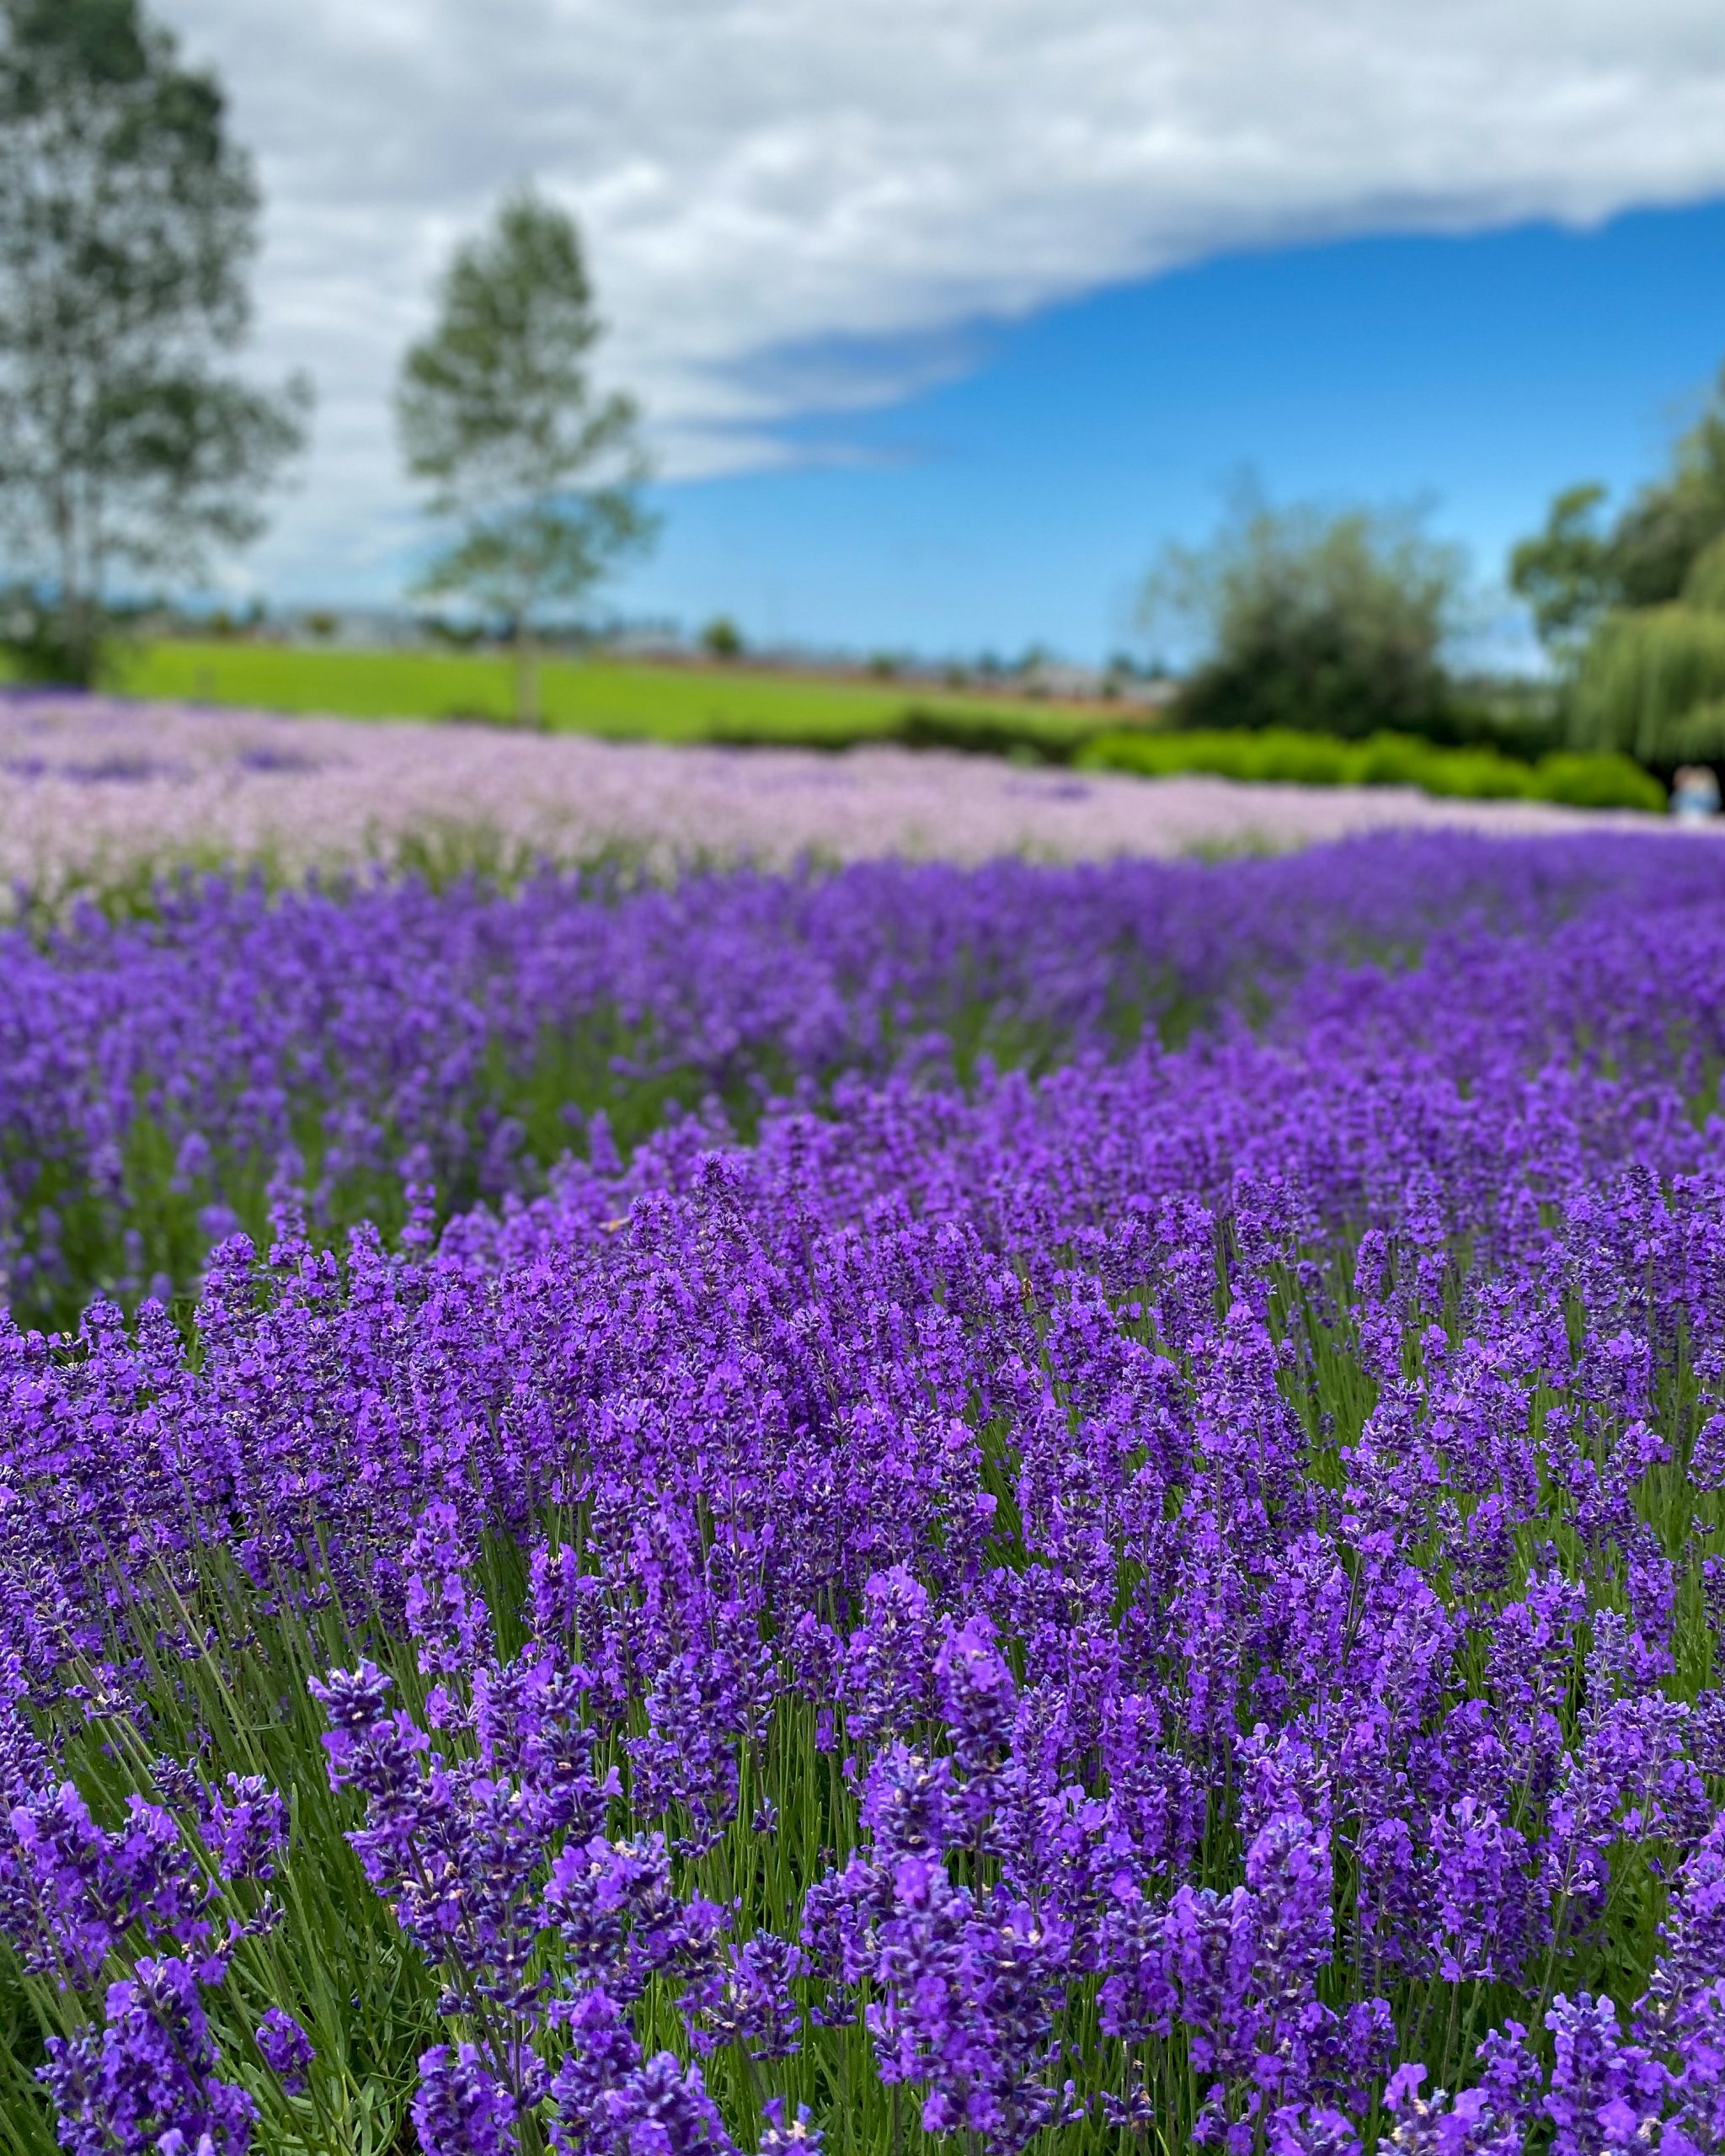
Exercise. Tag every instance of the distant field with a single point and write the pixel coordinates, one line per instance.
(597, 696)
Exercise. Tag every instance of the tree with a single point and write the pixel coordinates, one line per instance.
(1566, 573)
(1636, 612)
(1670, 524)
(1334, 621)
(1651, 679)
(1573, 574)
(128, 223)
(1651, 683)
(496, 415)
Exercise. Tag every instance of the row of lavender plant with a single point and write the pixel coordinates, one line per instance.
(161, 1069)
(1173, 1600)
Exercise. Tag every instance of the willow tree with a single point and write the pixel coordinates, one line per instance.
(535, 477)
(128, 225)
(1651, 679)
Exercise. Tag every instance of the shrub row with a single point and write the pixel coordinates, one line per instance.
(1277, 754)
(1580, 779)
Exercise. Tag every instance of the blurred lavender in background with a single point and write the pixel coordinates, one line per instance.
(92, 789)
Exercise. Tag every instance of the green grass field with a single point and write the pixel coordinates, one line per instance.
(600, 695)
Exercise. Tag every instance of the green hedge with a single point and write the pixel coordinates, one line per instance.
(1582, 781)
(1032, 736)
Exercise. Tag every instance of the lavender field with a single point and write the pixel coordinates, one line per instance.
(908, 1508)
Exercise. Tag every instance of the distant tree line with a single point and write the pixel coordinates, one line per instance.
(1346, 620)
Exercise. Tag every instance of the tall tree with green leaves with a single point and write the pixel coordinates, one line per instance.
(1566, 573)
(537, 476)
(1633, 609)
(128, 224)
(1577, 572)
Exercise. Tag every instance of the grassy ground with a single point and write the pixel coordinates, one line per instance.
(603, 697)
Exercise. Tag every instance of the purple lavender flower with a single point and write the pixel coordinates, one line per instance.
(662, 2108)
(799, 2138)
(888, 1679)
(450, 1622)
(1605, 2094)
(146, 2073)
(1209, 1941)
(687, 1760)
(459, 2109)
(1310, 2130)
(248, 1827)
(69, 1888)
(601, 2057)
(1680, 2020)
(750, 2001)
(1482, 1888)
(620, 1921)
(1156, 1618)
(1132, 2111)
(1291, 1873)
(286, 2048)
(1465, 2125)
(977, 1696)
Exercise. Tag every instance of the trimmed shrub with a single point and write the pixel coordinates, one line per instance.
(1598, 781)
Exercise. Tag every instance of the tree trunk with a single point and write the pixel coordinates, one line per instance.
(80, 641)
(74, 659)
(526, 677)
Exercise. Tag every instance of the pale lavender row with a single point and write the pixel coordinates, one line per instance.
(90, 788)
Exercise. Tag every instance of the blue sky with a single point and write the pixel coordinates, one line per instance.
(1022, 499)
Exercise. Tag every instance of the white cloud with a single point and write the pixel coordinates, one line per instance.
(794, 204)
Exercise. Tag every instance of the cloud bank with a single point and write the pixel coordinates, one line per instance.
(795, 206)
